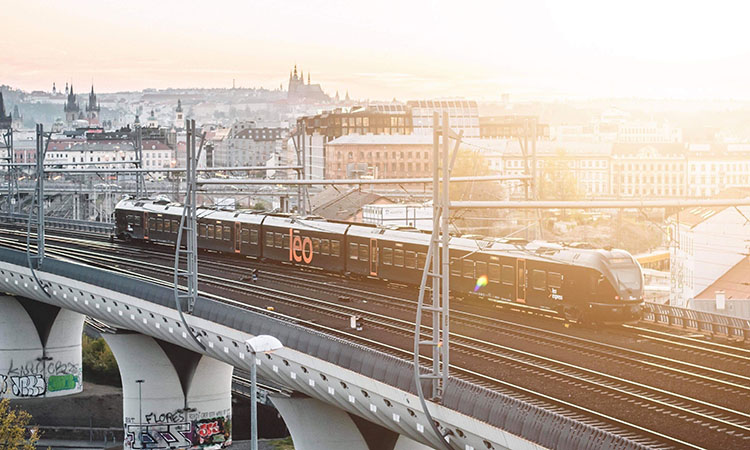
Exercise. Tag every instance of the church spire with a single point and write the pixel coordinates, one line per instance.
(295, 71)
(301, 76)
(308, 77)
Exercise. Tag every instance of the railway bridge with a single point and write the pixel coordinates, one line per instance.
(178, 393)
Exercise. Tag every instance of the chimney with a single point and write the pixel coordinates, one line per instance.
(721, 300)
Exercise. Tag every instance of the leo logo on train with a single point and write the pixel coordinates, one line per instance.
(300, 248)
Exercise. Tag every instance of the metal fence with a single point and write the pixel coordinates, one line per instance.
(714, 325)
(59, 223)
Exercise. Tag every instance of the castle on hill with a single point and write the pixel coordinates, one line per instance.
(299, 91)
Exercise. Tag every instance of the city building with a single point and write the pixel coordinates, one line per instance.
(314, 132)
(706, 244)
(92, 108)
(299, 91)
(654, 170)
(179, 117)
(333, 204)
(72, 109)
(463, 114)
(512, 126)
(247, 144)
(378, 156)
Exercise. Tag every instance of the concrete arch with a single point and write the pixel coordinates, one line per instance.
(40, 349)
(185, 400)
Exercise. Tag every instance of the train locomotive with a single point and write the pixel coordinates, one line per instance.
(603, 286)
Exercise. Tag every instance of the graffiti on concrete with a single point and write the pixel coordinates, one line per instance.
(210, 432)
(23, 386)
(157, 436)
(168, 417)
(62, 382)
(37, 378)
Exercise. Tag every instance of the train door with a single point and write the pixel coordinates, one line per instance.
(374, 257)
(145, 225)
(521, 280)
(237, 240)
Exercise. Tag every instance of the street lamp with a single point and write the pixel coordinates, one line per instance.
(140, 412)
(263, 344)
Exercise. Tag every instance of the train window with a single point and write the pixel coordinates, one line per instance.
(325, 247)
(129, 218)
(481, 268)
(455, 267)
(175, 226)
(387, 256)
(245, 236)
(284, 242)
(218, 232)
(152, 224)
(411, 260)
(353, 250)
(316, 246)
(254, 237)
(494, 273)
(138, 221)
(421, 260)
(364, 252)
(202, 230)
(509, 275)
(227, 233)
(468, 267)
(159, 225)
(554, 280)
(335, 247)
(539, 280)
(210, 232)
(398, 258)
(277, 240)
(269, 238)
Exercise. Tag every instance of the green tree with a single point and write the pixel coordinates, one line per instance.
(470, 163)
(557, 180)
(99, 364)
(13, 423)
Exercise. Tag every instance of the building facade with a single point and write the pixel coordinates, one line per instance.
(463, 115)
(379, 156)
(315, 132)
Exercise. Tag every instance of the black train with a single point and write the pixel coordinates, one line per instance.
(582, 284)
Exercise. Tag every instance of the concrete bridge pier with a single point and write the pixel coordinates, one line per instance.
(185, 399)
(316, 425)
(40, 349)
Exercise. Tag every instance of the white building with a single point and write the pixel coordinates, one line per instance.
(706, 244)
(414, 215)
(463, 114)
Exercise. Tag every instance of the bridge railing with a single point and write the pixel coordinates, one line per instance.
(59, 223)
(712, 324)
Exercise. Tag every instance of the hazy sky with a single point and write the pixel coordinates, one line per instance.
(383, 48)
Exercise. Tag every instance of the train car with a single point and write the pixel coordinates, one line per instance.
(310, 241)
(581, 284)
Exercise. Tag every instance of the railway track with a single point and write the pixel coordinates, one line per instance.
(704, 414)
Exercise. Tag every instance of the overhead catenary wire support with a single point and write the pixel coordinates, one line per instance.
(140, 181)
(12, 173)
(188, 229)
(36, 212)
(437, 270)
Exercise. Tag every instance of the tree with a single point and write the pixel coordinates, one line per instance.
(558, 181)
(99, 364)
(13, 423)
(470, 163)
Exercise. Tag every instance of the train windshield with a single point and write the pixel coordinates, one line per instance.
(628, 273)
